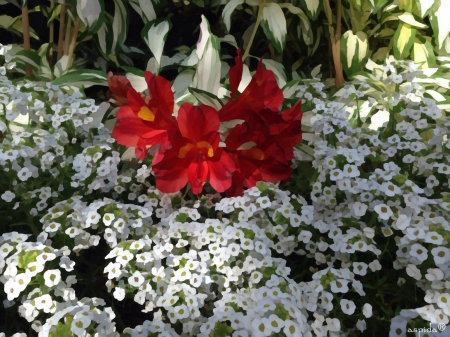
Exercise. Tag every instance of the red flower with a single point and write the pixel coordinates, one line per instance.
(195, 156)
(147, 121)
(118, 88)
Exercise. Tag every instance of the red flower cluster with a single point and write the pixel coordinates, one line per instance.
(259, 145)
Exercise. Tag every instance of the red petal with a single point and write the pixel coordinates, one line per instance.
(195, 122)
(236, 74)
(161, 94)
(197, 175)
(220, 172)
(118, 86)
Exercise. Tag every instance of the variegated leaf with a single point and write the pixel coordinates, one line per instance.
(148, 9)
(91, 13)
(119, 26)
(228, 10)
(425, 6)
(155, 35)
(274, 25)
(312, 8)
(354, 51)
(403, 40)
(422, 53)
(411, 20)
(440, 22)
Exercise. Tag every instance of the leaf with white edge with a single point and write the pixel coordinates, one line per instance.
(91, 13)
(312, 7)
(102, 37)
(425, 6)
(290, 89)
(305, 24)
(230, 39)
(98, 115)
(422, 53)
(274, 25)
(278, 70)
(137, 82)
(206, 98)
(316, 71)
(84, 77)
(148, 9)
(119, 26)
(354, 51)
(152, 65)
(129, 154)
(403, 40)
(28, 57)
(155, 35)
(411, 20)
(207, 75)
(229, 8)
(440, 23)
(182, 82)
(436, 95)
(60, 66)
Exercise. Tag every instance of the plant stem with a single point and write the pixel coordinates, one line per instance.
(51, 34)
(26, 36)
(67, 37)
(73, 41)
(258, 20)
(339, 79)
(62, 18)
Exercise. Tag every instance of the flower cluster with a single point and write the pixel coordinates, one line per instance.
(247, 140)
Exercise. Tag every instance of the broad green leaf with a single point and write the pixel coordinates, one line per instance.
(312, 8)
(403, 40)
(207, 75)
(148, 9)
(385, 32)
(206, 98)
(54, 14)
(119, 26)
(28, 57)
(278, 69)
(411, 20)
(228, 9)
(91, 13)
(381, 54)
(82, 77)
(422, 53)
(155, 35)
(274, 25)
(440, 23)
(425, 6)
(354, 51)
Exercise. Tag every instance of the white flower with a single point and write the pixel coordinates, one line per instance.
(52, 277)
(12, 289)
(276, 324)
(8, 196)
(441, 255)
(136, 279)
(413, 271)
(292, 329)
(79, 324)
(348, 307)
(367, 310)
(339, 286)
(181, 311)
(419, 252)
(261, 327)
(360, 268)
(119, 293)
(361, 325)
(384, 211)
(359, 208)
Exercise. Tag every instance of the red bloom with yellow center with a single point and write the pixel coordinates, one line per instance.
(147, 121)
(195, 155)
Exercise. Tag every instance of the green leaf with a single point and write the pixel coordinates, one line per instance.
(410, 19)
(403, 40)
(228, 9)
(440, 23)
(207, 75)
(274, 25)
(28, 57)
(422, 53)
(425, 6)
(305, 24)
(91, 13)
(312, 8)
(82, 77)
(206, 98)
(148, 9)
(354, 51)
(119, 26)
(155, 35)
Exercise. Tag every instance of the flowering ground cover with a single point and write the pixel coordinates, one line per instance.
(246, 186)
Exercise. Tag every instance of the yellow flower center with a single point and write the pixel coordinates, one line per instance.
(203, 145)
(146, 114)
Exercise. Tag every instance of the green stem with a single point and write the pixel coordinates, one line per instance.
(258, 20)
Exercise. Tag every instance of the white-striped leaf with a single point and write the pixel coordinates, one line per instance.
(305, 24)
(274, 25)
(182, 82)
(28, 57)
(403, 40)
(411, 20)
(229, 8)
(312, 8)
(206, 98)
(91, 13)
(155, 35)
(207, 75)
(83, 77)
(119, 26)
(103, 38)
(422, 53)
(440, 22)
(354, 51)
(425, 6)
(148, 9)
